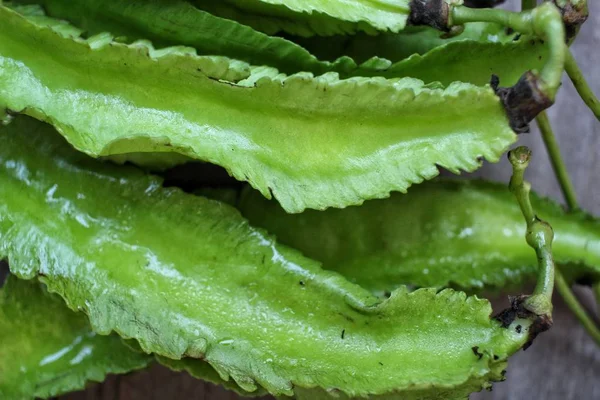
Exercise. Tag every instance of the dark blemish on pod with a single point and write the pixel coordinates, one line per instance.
(380, 363)
(496, 358)
(518, 328)
(475, 350)
(347, 317)
(573, 17)
(301, 283)
(343, 333)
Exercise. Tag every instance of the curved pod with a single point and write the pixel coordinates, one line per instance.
(188, 276)
(311, 142)
(321, 17)
(473, 56)
(47, 350)
(448, 232)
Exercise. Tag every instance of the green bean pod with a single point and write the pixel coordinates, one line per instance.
(461, 233)
(189, 277)
(472, 56)
(312, 142)
(48, 350)
(310, 17)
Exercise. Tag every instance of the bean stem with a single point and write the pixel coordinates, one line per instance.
(567, 188)
(565, 291)
(544, 21)
(539, 234)
(581, 85)
(564, 180)
(558, 164)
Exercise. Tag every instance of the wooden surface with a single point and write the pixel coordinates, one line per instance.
(563, 363)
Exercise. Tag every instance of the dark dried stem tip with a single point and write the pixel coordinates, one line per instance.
(519, 310)
(523, 101)
(535, 91)
(573, 15)
(434, 13)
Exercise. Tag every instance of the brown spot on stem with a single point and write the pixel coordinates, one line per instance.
(523, 101)
(517, 309)
(573, 17)
(433, 13)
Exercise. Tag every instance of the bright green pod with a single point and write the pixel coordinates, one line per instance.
(461, 233)
(450, 236)
(471, 61)
(188, 276)
(398, 46)
(311, 142)
(47, 350)
(310, 17)
(175, 22)
(472, 56)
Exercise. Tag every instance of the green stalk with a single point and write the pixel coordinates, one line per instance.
(582, 87)
(565, 291)
(539, 236)
(567, 188)
(564, 180)
(558, 164)
(544, 21)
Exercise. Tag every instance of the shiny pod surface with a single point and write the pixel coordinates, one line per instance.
(472, 56)
(177, 22)
(47, 350)
(312, 142)
(188, 276)
(320, 17)
(447, 232)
